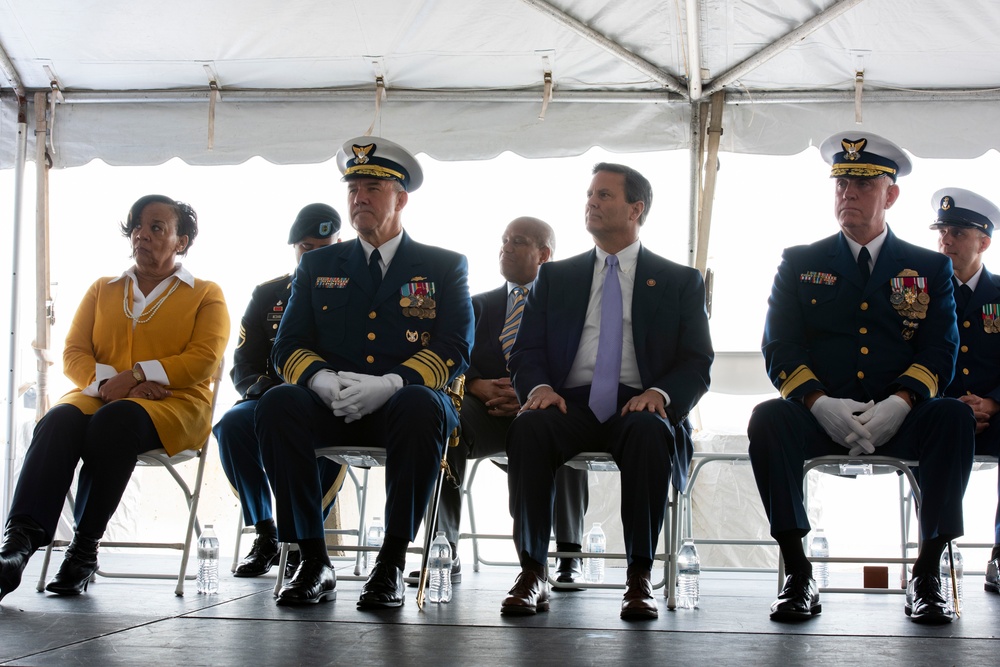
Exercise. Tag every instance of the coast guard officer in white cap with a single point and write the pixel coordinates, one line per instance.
(860, 339)
(375, 330)
(965, 223)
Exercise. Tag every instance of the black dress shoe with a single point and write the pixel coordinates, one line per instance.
(21, 538)
(529, 595)
(77, 569)
(798, 600)
(638, 603)
(992, 584)
(413, 578)
(384, 588)
(314, 581)
(924, 602)
(569, 571)
(264, 554)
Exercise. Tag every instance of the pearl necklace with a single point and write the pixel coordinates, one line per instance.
(139, 319)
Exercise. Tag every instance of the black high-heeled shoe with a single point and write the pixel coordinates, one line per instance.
(21, 538)
(77, 569)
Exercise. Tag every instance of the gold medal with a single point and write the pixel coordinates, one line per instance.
(924, 298)
(405, 302)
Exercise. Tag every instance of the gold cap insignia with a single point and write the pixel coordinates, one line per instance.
(852, 149)
(361, 153)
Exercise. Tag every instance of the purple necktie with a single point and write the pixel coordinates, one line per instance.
(604, 388)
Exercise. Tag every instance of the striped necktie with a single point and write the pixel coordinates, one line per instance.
(509, 331)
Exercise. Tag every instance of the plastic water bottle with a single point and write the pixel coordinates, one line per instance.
(596, 543)
(819, 547)
(946, 588)
(208, 562)
(439, 564)
(688, 574)
(376, 532)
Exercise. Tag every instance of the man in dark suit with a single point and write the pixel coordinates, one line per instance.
(375, 330)
(965, 223)
(612, 354)
(491, 403)
(860, 338)
(315, 226)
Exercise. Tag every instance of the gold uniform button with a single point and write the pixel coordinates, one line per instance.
(965, 371)
(864, 305)
(325, 307)
(813, 302)
(861, 375)
(370, 359)
(863, 330)
(966, 324)
(371, 336)
(274, 326)
(372, 315)
(864, 350)
(964, 348)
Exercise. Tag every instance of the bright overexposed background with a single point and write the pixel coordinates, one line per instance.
(763, 204)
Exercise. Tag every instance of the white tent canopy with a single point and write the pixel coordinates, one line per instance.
(466, 79)
(219, 82)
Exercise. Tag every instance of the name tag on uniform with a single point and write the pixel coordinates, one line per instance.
(332, 282)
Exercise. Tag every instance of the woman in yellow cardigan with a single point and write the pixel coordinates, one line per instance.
(142, 350)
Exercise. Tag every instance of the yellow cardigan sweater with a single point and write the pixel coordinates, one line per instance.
(187, 335)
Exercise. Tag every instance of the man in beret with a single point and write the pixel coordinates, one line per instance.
(315, 226)
(965, 223)
(860, 339)
(375, 331)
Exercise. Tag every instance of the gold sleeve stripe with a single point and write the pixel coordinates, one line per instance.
(334, 489)
(924, 376)
(243, 336)
(431, 367)
(297, 363)
(796, 379)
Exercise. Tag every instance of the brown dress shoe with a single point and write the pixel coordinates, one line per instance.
(529, 595)
(638, 603)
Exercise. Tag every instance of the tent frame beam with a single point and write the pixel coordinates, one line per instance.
(614, 48)
(327, 95)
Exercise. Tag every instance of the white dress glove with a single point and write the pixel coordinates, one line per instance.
(363, 394)
(883, 420)
(836, 416)
(327, 384)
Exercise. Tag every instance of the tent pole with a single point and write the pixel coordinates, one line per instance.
(43, 296)
(20, 158)
(694, 190)
(711, 172)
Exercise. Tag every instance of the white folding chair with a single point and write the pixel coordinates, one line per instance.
(366, 458)
(980, 462)
(843, 465)
(360, 491)
(733, 374)
(604, 462)
(192, 494)
(597, 462)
